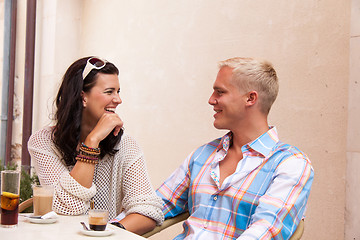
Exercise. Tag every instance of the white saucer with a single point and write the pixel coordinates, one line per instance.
(42, 221)
(105, 233)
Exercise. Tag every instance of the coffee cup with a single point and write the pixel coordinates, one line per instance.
(42, 199)
(98, 219)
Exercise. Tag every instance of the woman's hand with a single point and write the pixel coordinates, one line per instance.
(107, 123)
(82, 172)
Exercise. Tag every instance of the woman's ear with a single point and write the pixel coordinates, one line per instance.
(83, 97)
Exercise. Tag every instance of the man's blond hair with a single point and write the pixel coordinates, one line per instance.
(253, 75)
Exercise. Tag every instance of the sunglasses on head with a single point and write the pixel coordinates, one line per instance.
(93, 63)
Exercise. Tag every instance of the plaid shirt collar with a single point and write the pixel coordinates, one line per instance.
(264, 144)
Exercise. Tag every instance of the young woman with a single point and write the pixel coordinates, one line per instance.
(88, 157)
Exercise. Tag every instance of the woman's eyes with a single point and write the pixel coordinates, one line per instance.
(112, 91)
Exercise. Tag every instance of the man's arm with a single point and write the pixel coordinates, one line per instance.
(283, 205)
(174, 191)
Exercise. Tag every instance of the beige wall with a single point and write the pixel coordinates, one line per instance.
(167, 53)
(352, 210)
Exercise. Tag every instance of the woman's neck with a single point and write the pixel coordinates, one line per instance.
(85, 129)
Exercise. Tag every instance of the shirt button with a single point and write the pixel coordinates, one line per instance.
(205, 225)
(215, 198)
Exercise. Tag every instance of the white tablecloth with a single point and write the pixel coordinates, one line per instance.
(67, 227)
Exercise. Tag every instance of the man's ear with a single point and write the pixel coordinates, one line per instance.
(84, 99)
(252, 98)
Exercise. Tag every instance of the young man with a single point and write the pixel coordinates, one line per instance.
(247, 184)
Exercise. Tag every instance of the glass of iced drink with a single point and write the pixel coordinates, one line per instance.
(10, 190)
(98, 219)
(42, 199)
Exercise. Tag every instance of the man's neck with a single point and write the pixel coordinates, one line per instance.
(249, 131)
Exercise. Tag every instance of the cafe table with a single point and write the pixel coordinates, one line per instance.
(66, 227)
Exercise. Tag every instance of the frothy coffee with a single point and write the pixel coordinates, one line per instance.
(98, 220)
(43, 204)
(43, 199)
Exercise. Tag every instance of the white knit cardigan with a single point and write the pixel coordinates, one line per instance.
(122, 183)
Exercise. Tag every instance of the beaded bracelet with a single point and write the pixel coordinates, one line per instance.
(88, 157)
(82, 158)
(89, 150)
(81, 152)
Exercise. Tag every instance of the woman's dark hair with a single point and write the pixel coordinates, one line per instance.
(66, 134)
